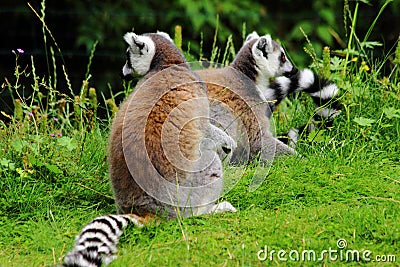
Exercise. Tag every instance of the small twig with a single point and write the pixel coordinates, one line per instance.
(62, 252)
(54, 255)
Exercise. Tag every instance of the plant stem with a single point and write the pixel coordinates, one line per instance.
(352, 32)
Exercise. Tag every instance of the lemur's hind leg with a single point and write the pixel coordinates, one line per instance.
(215, 208)
(223, 207)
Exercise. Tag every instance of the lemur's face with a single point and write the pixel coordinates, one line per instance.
(271, 59)
(139, 55)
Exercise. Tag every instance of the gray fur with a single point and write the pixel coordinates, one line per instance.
(239, 106)
(146, 169)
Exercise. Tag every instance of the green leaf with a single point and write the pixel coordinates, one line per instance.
(337, 63)
(7, 164)
(68, 143)
(38, 139)
(4, 162)
(22, 173)
(18, 145)
(363, 121)
(365, 2)
(318, 136)
(35, 162)
(53, 168)
(391, 112)
(371, 44)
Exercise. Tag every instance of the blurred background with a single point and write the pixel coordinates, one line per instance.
(78, 24)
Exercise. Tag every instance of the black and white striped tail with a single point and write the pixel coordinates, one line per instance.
(96, 245)
(323, 93)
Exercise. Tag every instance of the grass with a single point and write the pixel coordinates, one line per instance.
(345, 183)
(306, 203)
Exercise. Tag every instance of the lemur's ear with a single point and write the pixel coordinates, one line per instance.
(129, 37)
(166, 35)
(265, 44)
(252, 36)
(133, 40)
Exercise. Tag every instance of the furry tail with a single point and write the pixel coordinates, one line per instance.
(323, 93)
(97, 243)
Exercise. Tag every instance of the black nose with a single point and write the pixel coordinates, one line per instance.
(128, 77)
(291, 73)
(226, 149)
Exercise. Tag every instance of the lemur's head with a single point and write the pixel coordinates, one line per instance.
(149, 51)
(270, 58)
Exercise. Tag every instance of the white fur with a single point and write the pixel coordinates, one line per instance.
(306, 78)
(103, 239)
(293, 134)
(78, 260)
(252, 36)
(266, 93)
(140, 58)
(217, 208)
(166, 35)
(105, 248)
(126, 70)
(327, 92)
(328, 113)
(284, 82)
(287, 66)
(257, 53)
(220, 138)
(223, 207)
(268, 67)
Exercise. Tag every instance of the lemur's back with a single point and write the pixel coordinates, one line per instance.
(162, 150)
(239, 109)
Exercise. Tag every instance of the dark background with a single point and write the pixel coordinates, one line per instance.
(77, 24)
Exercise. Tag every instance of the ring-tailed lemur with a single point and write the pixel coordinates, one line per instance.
(322, 91)
(238, 102)
(259, 61)
(166, 103)
(162, 124)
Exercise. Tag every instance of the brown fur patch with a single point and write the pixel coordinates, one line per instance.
(154, 98)
(239, 94)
